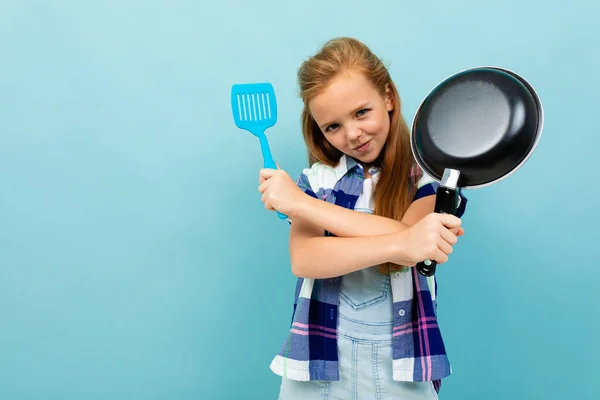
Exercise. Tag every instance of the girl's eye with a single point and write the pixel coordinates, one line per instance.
(331, 127)
(362, 112)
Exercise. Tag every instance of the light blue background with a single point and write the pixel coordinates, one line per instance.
(136, 260)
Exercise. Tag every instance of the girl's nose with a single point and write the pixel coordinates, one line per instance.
(353, 132)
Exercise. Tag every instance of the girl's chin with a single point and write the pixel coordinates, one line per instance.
(367, 158)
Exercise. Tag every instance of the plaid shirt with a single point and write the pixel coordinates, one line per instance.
(310, 349)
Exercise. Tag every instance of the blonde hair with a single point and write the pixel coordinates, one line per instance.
(398, 171)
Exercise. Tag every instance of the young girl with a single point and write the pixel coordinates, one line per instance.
(364, 323)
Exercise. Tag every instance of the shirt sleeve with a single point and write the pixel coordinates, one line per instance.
(427, 186)
(304, 183)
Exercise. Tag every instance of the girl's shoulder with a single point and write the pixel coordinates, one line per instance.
(318, 169)
(318, 177)
(425, 179)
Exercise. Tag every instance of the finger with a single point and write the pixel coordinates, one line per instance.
(448, 236)
(449, 220)
(268, 206)
(458, 231)
(263, 186)
(266, 198)
(445, 247)
(266, 173)
(440, 257)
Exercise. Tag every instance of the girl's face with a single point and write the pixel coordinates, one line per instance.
(353, 116)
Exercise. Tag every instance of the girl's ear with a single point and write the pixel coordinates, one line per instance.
(389, 103)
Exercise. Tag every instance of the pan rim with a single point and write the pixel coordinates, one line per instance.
(540, 129)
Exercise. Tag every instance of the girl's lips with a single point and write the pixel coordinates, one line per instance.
(363, 148)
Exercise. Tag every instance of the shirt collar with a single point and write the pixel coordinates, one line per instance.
(347, 164)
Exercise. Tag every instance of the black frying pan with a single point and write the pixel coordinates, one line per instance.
(474, 129)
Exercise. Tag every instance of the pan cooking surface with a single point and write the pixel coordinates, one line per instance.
(483, 122)
(479, 112)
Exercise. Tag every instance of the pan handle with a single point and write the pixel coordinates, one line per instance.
(446, 199)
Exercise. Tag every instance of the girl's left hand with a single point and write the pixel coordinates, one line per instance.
(280, 192)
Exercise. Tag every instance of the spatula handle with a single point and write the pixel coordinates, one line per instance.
(269, 162)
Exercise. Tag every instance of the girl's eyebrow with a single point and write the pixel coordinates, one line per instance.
(326, 124)
(364, 104)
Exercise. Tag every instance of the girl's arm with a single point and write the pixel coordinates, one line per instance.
(316, 256)
(281, 193)
(344, 222)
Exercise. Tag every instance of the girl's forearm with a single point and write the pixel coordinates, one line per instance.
(327, 257)
(344, 222)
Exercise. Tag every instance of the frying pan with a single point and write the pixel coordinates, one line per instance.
(474, 129)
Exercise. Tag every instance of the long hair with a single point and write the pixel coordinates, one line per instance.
(398, 170)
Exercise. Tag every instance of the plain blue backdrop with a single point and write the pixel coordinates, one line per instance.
(136, 259)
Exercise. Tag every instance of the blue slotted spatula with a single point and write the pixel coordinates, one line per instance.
(254, 109)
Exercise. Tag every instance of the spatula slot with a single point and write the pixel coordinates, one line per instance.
(268, 103)
(254, 106)
(257, 111)
(243, 116)
(261, 103)
(239, 108)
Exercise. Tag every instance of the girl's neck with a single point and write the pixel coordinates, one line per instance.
(366, 168)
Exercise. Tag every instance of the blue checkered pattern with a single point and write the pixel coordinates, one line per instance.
(310, 350)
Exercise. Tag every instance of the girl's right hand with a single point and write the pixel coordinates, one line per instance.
(431, 238)
(280, 192)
